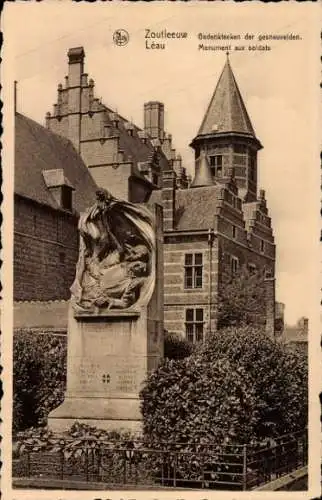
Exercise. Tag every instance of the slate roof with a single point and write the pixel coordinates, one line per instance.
(195, 207)
(226, 111)
(203, 176)
(38, 149)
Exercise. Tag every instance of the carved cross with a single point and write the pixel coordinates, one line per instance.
(106, 378)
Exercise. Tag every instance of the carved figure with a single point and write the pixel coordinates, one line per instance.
(115, 268)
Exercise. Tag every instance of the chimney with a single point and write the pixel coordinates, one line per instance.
(154, 119)
(48, 116)
(75, 66)
(303, 323)
(75, 70)
(168, 199)
(270, 304)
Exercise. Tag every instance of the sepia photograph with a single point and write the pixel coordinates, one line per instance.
(160, 310)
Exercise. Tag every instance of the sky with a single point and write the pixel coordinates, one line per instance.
(279, 88)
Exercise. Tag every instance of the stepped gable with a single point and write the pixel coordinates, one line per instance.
(256, 216)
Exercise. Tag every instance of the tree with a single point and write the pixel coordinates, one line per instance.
(241, 297)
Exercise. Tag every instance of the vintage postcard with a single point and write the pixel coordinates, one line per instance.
(161, 282)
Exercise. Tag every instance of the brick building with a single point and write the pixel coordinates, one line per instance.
(218, 219)
(52, 185)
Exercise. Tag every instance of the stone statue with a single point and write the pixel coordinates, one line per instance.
(115, 269)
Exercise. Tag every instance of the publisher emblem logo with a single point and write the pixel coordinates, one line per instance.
(121, 37)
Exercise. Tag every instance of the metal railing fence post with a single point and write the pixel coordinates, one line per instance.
(62, 458)
(245, 467)
(175, 469)
(124, 470)
(29, 464)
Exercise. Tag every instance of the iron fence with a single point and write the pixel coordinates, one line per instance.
(228, 467)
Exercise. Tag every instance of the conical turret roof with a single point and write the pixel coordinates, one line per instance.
(226, 112)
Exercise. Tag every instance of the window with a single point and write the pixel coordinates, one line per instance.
(66, 197)
(193, 270)
(262, 246)
(252, 167)
(216, 165)
(234, 231)
(194, 325)
(234, 264)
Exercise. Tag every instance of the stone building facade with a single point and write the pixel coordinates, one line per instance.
(220, 218)
(119, 155)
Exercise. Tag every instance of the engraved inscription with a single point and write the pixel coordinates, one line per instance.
(108, 374)
(110, 338)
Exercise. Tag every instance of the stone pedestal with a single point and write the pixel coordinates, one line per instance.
(109, 357)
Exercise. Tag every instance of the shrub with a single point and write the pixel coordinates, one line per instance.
(85, 451)
(175, 346)
(279, 376)
(190, 402)
(236, 387)
(39, 377)
(199, 410)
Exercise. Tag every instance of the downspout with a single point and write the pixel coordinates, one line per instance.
(210, 244)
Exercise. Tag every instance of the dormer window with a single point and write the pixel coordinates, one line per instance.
(143, 136)
(114, 118)
(66, 198)
(216, 165)
(59, 187)
(129, 127)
